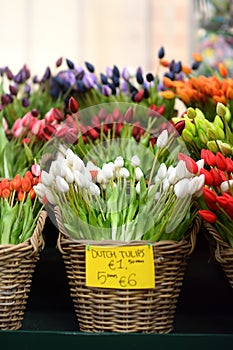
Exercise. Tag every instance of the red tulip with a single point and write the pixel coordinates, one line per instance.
(220, 161)
(208, 176)
(73, 105)
(210, 198)
(208, 215)
(189, 162)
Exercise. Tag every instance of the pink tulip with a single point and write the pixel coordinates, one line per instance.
(36, 170)
(17, 129)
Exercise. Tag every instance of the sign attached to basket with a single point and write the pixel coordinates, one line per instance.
(120, 267)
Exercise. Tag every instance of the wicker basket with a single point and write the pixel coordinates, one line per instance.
(17, 264)
(223, 252)
(117, 310)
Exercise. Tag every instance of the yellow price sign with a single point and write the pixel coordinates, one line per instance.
(120, 267)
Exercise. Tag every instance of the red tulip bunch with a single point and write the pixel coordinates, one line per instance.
(217, 206)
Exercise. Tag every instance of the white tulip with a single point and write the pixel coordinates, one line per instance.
(162, 139)
(172, 177)
(78, 164)
(100, 178)
(200, 182)
(182, 188)
(94, 189)
(69, 175)
(50, 197)
(40, 189)
(46, 179)
(54, 169)
(225, 185)
(162, 171)
(119, 162)
(70, 155)
(138, 173)
(124, 173)
(138, 188)
(61, 184)
(107, 170)
(135, 161)
(181, 170)
(166, 184)
(91, 166)
(87, 175)
(79, 179)
(200, 164)
(61, 153)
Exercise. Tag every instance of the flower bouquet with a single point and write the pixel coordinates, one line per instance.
(124, 194)
(21, 224)
(216, 208)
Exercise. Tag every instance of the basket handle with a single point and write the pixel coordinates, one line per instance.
(37, 240)
(193, 235)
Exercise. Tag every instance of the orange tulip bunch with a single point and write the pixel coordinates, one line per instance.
(19, 207)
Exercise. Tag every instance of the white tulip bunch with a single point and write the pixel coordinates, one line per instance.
(116, 201)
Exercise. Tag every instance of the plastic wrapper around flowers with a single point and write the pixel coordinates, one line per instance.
(121, 187)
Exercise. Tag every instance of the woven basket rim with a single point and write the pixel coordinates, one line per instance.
(222, 248)
(35, 241)
(190, 237)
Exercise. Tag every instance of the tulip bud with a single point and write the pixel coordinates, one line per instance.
(182, 188)
(208, 215)
(220, 134)
(61, 184)
(212, 146)
(129, 115)
(190, 127)
(162, 171)
(191, 113)
(225, 185)
(162, 139)
(187, 136)
(218, 122)
(138, 174)
(208, 176)
(50, 197)
(211, 134)
(36, 170)
(202, 136)
(94, 189)
(221, 109)
(220, 161)
(119, 162)
(124, 173)
(224, 147)
(161, 52)
(73, 105)
(46, 178)
(135, 161)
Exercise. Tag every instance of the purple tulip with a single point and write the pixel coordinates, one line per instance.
(106, 90)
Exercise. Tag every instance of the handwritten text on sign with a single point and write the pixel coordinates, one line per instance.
(127, 267)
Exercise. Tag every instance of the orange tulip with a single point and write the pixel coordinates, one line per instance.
(223, 71)
(6, 193)
(197, 57)
(168, 94)
(16, 182)
(26, 184)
